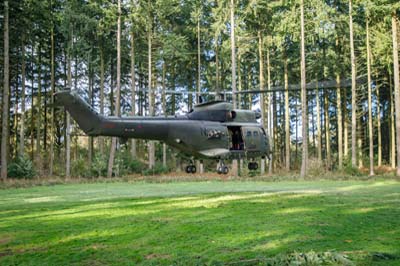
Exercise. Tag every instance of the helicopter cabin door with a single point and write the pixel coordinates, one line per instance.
(252, 138)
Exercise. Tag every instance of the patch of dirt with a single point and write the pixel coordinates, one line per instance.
(162, 219)
(5, 240)
(157, 256)
(95, 247)
(6, 252)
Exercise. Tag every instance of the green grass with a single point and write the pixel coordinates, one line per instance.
(196, 223)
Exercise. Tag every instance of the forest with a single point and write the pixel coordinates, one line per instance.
(323, 73)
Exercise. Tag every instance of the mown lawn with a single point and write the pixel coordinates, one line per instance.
(197, 223)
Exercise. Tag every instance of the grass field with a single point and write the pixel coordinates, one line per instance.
(197, 223)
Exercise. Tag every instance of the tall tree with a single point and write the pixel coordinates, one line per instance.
(233, 61)
(353, 90)
(304, 162)
(370, 125)
(117, 100)
(133, 89)
(23, 85)
(396, 86)
(6, 88)
(339, 110)
(53, 90)
(150, 88)
(287, 112)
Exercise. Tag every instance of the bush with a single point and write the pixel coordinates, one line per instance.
(21, 167)
(156, 170)
(99, 166)
(79, 168)
(136, 166)
(350, 170)
(310, 259)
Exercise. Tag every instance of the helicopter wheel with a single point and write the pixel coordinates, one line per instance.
(190, 169)
(219, 170)
(222, 168)
(253, 166)
(225, 170)
(193, 169)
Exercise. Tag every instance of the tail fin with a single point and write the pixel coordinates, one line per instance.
(86, 117)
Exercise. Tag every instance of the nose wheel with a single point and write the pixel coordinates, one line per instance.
(190, 168)
(252, 166)
(222, 168)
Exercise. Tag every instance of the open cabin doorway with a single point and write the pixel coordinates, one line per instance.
(236, 142)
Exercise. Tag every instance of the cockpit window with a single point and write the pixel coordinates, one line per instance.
(248, 134)
(255, 133)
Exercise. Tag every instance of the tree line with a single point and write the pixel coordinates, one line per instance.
(324, 73)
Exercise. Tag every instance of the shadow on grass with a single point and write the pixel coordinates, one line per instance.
(217, 228)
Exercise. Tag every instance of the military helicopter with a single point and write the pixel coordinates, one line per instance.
(211, 130)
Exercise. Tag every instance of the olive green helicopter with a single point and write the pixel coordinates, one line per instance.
(211, 130)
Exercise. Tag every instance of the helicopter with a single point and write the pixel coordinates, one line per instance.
(211, 130)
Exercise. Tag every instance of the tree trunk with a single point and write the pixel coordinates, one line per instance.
(133, 90)
(360, 144)
(345, 126)
(353, 92)
(53, 90)
(262, 100)
(319, 131)
(327, 130)
(235, 171)
(164, 108)
(304, 163)
(90, 138)
(118, 96)
(6, 88)
(68, 117)
(370, 126)
(339, 109)
(396, 87)
(32, 105)
(101, 139)
(198, 61)
(233, 53)
(271, 115)
(326, 114)
(23, 77)
(378, 118)
(39, 112)
(287, 115)
(150, 93)
(392, 127)
(216, 70)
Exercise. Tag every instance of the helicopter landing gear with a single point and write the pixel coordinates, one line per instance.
(191, 168)
(252, 166)
(222, 168)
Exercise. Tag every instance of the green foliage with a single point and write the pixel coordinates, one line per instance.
(136, 166)
(156, 170)
(124, 164)
(99, 166)
(349, 169)
(310, 259)
(80, 168)
(22, 167)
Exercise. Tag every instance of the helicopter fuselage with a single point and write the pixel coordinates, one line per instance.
(212, 130)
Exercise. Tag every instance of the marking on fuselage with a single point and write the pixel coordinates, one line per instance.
(109, 125)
